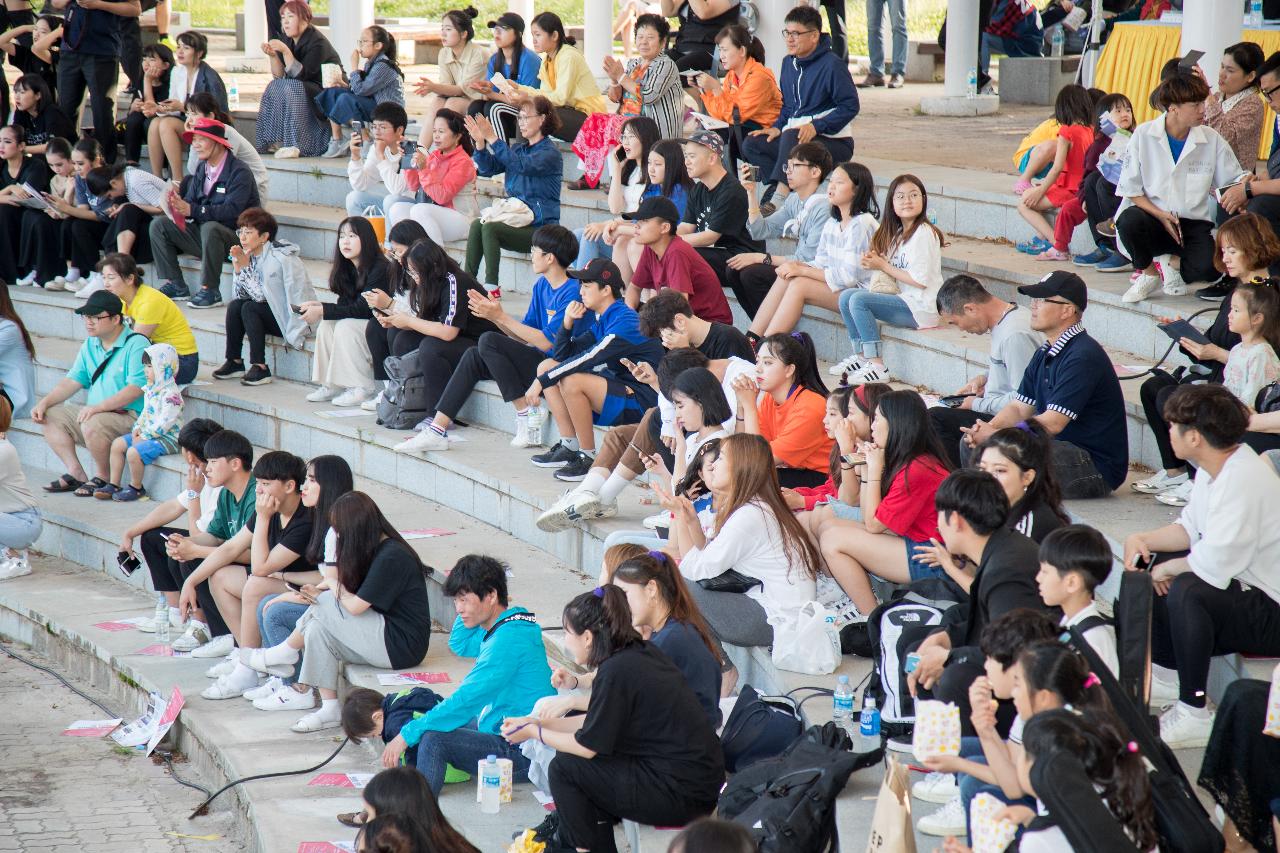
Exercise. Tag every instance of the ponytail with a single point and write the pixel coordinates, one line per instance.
(605, 613)
(658, 567)
(1056, 667)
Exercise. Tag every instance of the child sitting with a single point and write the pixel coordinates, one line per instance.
(1096, 200)
(976, 765)
(155, 433)
(1252, 364)
(1074, 113)
(1073, 561)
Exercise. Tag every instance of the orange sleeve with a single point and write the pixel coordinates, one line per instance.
(758, 99)
(800, 441)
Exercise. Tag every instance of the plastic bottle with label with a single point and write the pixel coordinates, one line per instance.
(162, 620)
(490, 785)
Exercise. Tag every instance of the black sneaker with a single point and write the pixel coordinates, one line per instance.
(231, 368)
(256, 375)
(557, 457)
(1215, 292)
(577, 468)
(206, 298)
(175, 290)
(546, 830)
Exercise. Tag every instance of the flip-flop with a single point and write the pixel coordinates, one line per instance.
(355, 820)
(88, 487)
(65, 483)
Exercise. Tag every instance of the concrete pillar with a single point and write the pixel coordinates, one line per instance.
(523, 8)
(346, 19)
(769, 28)
(255, 26)
(597, 22)
(961, 60)
(1211, 25)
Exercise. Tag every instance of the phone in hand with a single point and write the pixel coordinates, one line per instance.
(408, 147)
(128, 562)
(356, 125)
(381, 312)
(297, 309)
(293, 586)
(1191, 60)
(952, 400)
(749, 172)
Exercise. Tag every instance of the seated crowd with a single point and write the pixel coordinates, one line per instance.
(775, 490)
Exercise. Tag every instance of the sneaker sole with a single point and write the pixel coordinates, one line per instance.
(234, 375)
(570, 478)
(934, 797)
(263, 381)
(940, 831)
(1194, 743)
(1126, 268)
(550, 464)
(217, 304)
(553, 522)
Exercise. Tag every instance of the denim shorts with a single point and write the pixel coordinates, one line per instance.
(150, 449)
(844, 511)
(917, 569)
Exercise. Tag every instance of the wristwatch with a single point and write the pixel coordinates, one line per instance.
(191, 495)
(1248, 189)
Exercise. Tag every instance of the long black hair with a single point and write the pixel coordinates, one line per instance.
(406, 232)
(206, 104)
(345, 277)
(510, 70)
(864, 191)
(457, 126)
(333, 475)
(862, 397)
(911, 437)
(1030, 450)
(404, 792)
(388, 52)
(550, 23)
(796, 350)
(692, 485)
(701, 386)
(361, 529)
(433, 268)
(605, 613)
(647, 130)
(674, 172)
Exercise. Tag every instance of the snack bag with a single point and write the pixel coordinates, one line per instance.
(989, 835)
(937, 730)
(505, 769)
(525, 844)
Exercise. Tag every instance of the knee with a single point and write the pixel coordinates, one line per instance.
(131, 453)
(155, 229)
(545, 365)
(1186, 592)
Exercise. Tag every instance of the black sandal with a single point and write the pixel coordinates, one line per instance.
(87, 488)
(65, 483)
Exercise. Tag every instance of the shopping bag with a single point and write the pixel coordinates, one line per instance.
(809, 643)
(937, 730)
(989, 834)
(891, 828)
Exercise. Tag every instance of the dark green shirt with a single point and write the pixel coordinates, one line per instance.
(231, 515)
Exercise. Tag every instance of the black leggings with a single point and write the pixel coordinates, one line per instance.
(135, 133)
(168, 575)
(1145, 238)
(438, 360)
(692, 56)
(81, 241)
(42, 246)
(10, 241)
(1154, 392)
(130, 217)
(1196, 622)
(749, 284)
(1100, 204)
(254, 320)
(510, 363)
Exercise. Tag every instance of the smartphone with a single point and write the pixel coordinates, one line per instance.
(952, 400)
(1141, 562)
(381, 312)
(748, 172)
(128, 562)
(1191, 60)
(293, 586)
(297, 309)
(406, 158)
(1179, 329)
(692, 75)
(1222, 190)
(356, 125)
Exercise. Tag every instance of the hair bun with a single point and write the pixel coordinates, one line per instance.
(471, 12)
(568, 39)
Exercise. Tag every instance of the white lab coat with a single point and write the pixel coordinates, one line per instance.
(1186, 187)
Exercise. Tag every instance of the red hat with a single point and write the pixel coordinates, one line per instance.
(209, 129)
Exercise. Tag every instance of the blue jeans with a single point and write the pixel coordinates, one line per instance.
(862, 308)
(341, 106)
(465, 748)
(18, 530)
(971, 786)
(1027, 40)
(589, 250)
(875, 35)
(277, 623)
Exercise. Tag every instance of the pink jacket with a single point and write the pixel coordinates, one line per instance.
(444, 176)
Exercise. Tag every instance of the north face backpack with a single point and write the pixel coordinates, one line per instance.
(404, 401)
(892, 628)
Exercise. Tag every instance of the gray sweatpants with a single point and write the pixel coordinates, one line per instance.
(733, 617)
(333, 636)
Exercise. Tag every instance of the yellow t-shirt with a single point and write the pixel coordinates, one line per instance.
(1044, 131)
(151, 306)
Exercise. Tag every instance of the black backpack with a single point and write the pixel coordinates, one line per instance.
(761, 727)
(1132, 623)
(404, 401)
(787, 803)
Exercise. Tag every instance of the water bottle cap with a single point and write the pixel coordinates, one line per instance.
(492, 758)
(871, 702)
(843, 679)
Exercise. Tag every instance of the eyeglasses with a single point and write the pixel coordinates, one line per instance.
(364, 41)
(246, 232)
(1267, 93)
(96, 317)
(791, 35)
(527, 117)
(628, 137)
(788, 167)
(1045, 301)
(907, 196)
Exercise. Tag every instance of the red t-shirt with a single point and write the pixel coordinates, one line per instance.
(1081, 138)
(682, 268)
(907, 509)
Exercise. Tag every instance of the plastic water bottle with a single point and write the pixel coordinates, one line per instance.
(869, 724)
(233, 95)
(971, 90)
(842, 702)
(490, 785)
(162, 620)
(1057, 41)
(533, 426)
(1255, 14)
(933, 219)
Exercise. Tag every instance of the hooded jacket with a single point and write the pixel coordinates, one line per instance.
(162, 401)
(533, 174)
(284, 283)
(818, 86)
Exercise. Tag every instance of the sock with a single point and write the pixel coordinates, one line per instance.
(73, 274)
(570, 443)
(522, 414)
(612, 488)
(437, 430)
(329, 709)
(590, 454)
(241, 673)
(593, 481)
(281, 654)
(175, 615)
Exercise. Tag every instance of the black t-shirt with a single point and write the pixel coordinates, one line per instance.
(723, 210)
(28, 63)
(295, 536)
(454, 308)
(397, 589)
(51, 122)
(643, 711)
(681, 642)
(701, 32)
(1035, 522)
(33, 171)
(724, 341)
(93, 32)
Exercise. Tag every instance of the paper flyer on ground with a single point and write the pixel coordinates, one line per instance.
(160, 650)
(425, 533)
(119, 624)
(167, 719)
(326, 847)
(155, 722)
(91, 728)
(341, 780)
(397, 679)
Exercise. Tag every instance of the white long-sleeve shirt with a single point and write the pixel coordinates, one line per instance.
(750, 542)
(840, 250)
(374, 169)
(1186, 187)
(1230, 524)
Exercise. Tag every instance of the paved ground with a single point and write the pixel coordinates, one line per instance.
(79, 795)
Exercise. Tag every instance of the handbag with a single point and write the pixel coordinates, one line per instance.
(1268, 399)
(730, 581)
(762, 727)
(508, 211)
(882, 282)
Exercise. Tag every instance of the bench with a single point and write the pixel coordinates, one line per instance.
(1035, 79)
(925, 62)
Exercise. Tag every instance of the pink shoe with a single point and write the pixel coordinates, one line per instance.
(1020, 186)
(1052, 254)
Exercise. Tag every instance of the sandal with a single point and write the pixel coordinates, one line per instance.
(87, 488)
(65, 483)
(105, 493)
(355, 820)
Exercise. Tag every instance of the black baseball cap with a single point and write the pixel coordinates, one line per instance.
(1067, 285)
(102, 302)
(601, 270)
(656, 207)
(510, 21)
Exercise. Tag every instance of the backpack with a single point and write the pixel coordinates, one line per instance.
(1132, 623)
(1181, 821)
(404, 401)
(892, 629)
(787, 803)
(761, 727)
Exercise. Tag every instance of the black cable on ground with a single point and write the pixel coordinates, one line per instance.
(203, 808)
(167, 757)
(1152, 369)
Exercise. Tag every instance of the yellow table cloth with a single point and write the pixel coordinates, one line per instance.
(1135, 52)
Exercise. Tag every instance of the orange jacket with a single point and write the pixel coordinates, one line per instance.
(794, 429)
(443, 176)
(755, 93)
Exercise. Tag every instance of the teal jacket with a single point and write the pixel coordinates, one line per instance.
(510, 674)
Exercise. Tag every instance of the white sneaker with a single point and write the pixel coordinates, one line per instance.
(28, 280)
(218, 647)
(869, 372)
(196, 635)
(232, 685)
(148, 624)
(323, 394)
(521, 438)
(266, 688)
(948, 820)
(352, 397)
(422, 442)
(15, 566)
(1173, 283)
(1160, 482)
(287, 700)
(1180, 728)
(223, 667)
(317, 721)
(850, 364)
(371, 405)
(658, 519)
(58, 283)
(1163, 693)
(577, 505)
(557, 516)
(95, 283)
(835, 599)
(1178, 495)
(1143, 286)
(936, 788)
